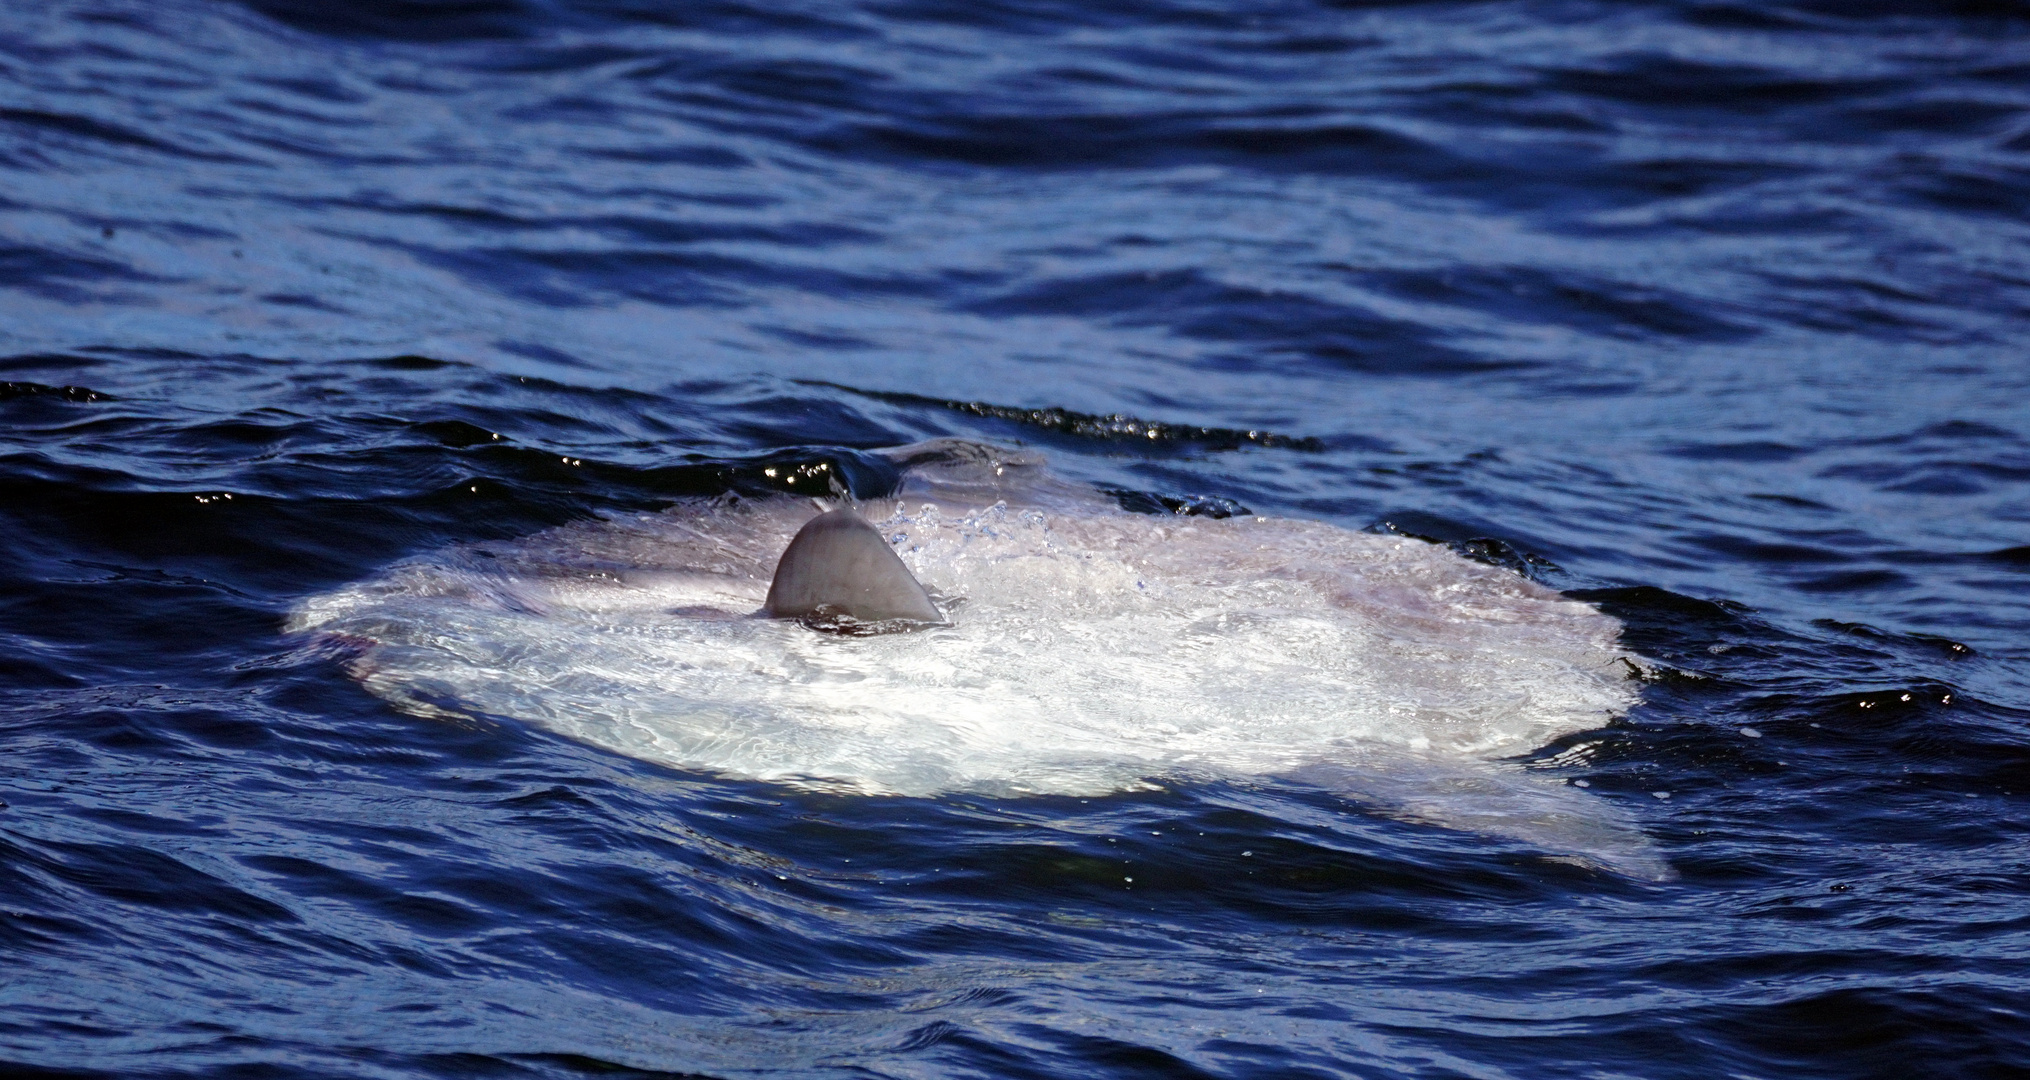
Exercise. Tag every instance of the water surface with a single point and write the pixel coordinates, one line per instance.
(1711, 315)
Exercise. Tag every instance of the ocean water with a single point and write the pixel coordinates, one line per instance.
(1708, 319)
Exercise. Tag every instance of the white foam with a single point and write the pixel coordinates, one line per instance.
(1090, 650)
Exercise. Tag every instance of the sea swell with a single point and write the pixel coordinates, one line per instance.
(1706, 315)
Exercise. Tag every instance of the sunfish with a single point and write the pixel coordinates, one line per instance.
(1073, 648)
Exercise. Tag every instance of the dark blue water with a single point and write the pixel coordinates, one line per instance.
(1716, 314)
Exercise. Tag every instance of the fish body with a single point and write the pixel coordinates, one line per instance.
(1080, 649)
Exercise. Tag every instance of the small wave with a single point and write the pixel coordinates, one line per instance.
(1112, 427)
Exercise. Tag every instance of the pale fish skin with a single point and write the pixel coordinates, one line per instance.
(1084, 650)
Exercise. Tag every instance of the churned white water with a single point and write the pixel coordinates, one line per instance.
(1088, 650)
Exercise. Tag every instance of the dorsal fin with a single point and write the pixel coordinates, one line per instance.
(838, 565)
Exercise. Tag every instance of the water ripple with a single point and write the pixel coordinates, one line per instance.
(1706, 313)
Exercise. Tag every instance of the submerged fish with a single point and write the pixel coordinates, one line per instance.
(1063, 646)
